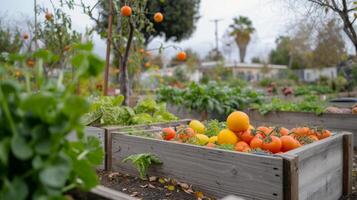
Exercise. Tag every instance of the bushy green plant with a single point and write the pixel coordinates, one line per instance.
(308, 104)
(36, 159)
(210, 97)
(142, 162)
(110, 111)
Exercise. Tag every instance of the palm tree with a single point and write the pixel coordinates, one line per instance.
(242, 28)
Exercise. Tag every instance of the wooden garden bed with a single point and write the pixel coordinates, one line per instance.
(100, 193)
(331, 121)
(321, 170)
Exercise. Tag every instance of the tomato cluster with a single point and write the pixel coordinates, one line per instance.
(278, 139)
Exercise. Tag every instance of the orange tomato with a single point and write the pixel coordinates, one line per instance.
(158, 17)
(264, 130)
(168, 133)
(324, 134)
(142, 50)
(185, 133)
(256, 142)
(181, 56)
(272, 144)
(288, 143)
(284, 131)
(314, 138)
(126, 11)
(247, 136)
(240, 146)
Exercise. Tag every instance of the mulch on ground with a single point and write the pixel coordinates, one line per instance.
(158, 188)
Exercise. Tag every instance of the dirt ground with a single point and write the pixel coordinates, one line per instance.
(158, 188)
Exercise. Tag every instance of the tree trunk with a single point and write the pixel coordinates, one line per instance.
(124, 79)
(242, 52)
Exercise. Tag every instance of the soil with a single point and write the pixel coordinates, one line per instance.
(158, 188)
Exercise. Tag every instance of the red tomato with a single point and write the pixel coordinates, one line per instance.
(168, 133)
(272, 144)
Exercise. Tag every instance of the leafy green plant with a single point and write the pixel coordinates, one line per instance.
(308, 104)
(312, 89)
(210, 97)
(213, 127)
(142, 162)
(36, 159)
(109, 111)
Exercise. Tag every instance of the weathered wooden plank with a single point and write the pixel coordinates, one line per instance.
(213, 171)
(147, 126)
(320, 169)
(290, 177)
(109, 194)
(347, 163)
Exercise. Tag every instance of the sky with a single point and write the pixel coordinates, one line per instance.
(270, 19)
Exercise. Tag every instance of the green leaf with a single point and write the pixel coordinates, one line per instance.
(96, 65)
(86, 173)
(55, 176)
(75, 107)
(20, 148)
(17, 189)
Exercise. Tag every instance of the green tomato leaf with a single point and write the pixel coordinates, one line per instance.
(17, 189)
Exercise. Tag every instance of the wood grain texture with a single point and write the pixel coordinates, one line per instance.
(336, 122)
(320, 169)
(213, 171)
(290, 177)
(347, 163)
(109, 194)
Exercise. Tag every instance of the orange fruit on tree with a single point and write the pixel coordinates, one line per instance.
(226, 136)
(238, 121)
(49, 16)
(241, 146)
(126, 11)
(181, 56)
(147, 64)
(158, 17)
(272, 144)
(142, 50)
(25, 36)
(30, 62)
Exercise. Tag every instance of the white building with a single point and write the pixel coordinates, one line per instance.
(249, 71)
(312, 75)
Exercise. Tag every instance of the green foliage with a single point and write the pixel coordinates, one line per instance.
(109, 111)
(210, 97)
(312, 90)
(142, 162)
(36, 159)
(308, 104)
(179, 22)
(213, 127)
(10, 41)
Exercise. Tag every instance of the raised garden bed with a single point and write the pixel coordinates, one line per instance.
(332, 121)
(321, 170)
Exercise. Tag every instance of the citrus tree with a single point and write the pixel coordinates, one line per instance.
(242, 29)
